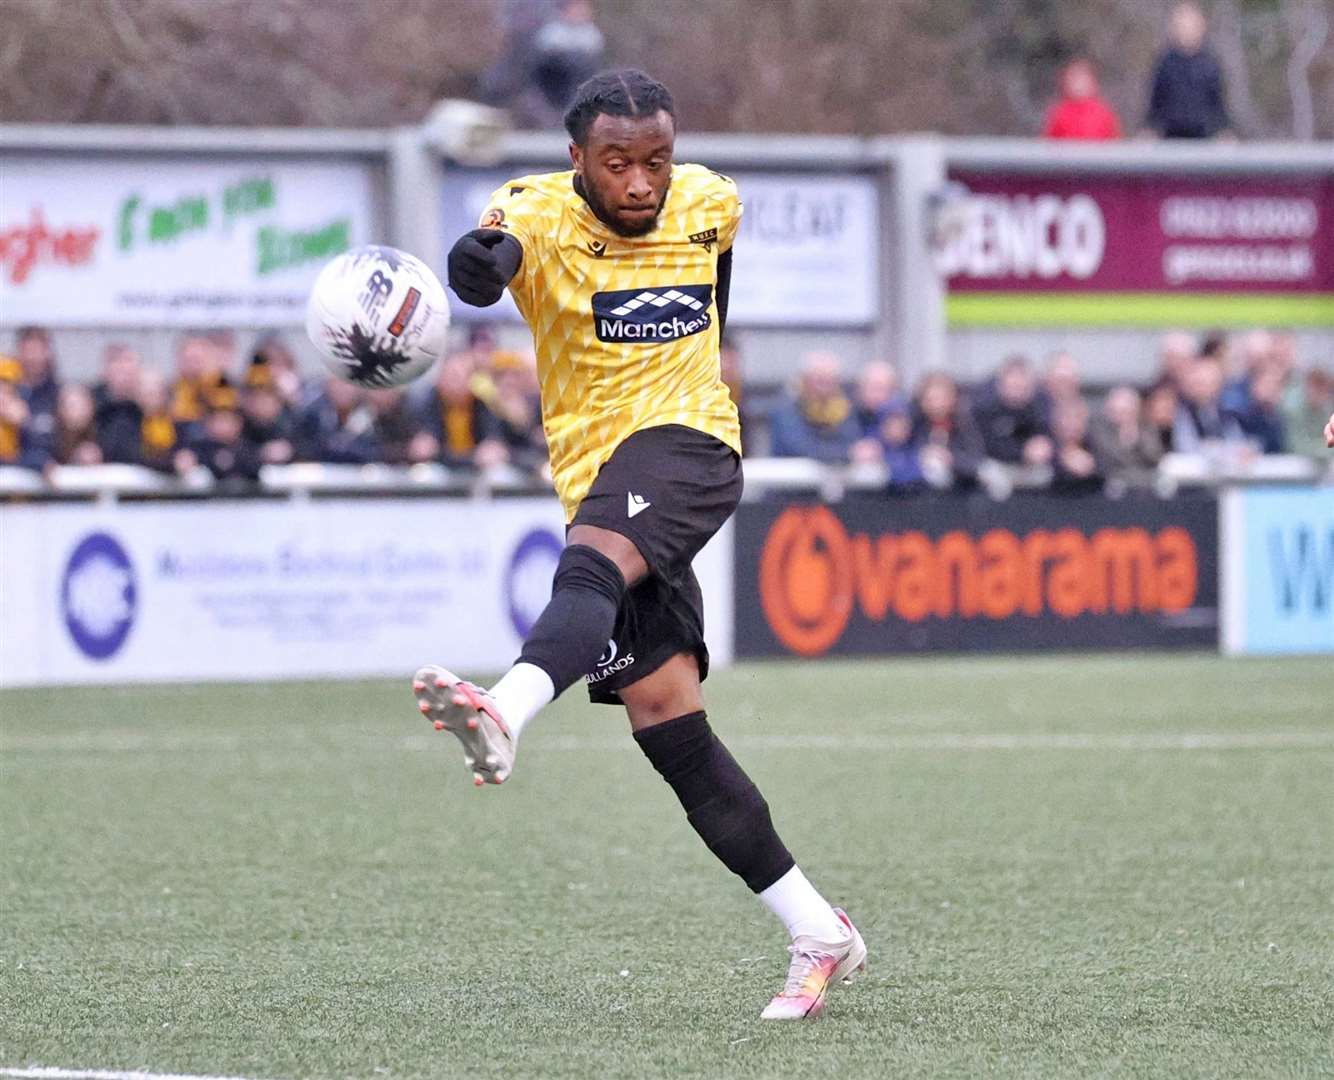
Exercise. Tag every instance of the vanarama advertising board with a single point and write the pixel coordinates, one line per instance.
(152, 241)
(873, 575)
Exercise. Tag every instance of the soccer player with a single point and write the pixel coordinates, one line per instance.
(621, 267)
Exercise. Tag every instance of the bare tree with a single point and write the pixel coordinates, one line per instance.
(836, 66)
(1307, 22)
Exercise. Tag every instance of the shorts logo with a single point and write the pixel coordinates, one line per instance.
(662, 313)
(98, 596)
(609, 664)
(635, 504)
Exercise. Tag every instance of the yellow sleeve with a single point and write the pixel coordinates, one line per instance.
(517, 208)
(731, 200)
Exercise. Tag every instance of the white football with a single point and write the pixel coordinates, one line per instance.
(378, 316)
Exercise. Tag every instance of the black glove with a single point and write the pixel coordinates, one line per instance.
(481, 264)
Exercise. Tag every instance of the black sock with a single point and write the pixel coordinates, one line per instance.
(575, 626)
(720, 800)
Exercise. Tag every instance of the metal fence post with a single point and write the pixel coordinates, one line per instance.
(913, 294)
(413, 197)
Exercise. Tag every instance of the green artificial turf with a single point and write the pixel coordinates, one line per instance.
(1063, 866)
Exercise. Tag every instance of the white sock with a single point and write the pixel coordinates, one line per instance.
(803, 910)
(523, 692)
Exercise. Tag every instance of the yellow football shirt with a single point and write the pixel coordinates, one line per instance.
(625, 328)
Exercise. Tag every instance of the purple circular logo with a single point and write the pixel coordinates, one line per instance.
(97, 596)
(528, 580)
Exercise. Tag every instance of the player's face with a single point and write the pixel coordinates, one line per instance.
(626, 168)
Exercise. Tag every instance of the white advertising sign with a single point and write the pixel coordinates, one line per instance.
(807, 251)
(151, 241)
(261, 590)
(806, 254)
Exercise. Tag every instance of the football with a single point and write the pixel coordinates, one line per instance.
(378, 316)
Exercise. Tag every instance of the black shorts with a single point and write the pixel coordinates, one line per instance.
(668, 490)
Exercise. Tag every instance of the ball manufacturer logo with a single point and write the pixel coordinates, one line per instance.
(98, 596)
(528, 578)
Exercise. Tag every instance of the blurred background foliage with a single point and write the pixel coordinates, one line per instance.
(830, 66)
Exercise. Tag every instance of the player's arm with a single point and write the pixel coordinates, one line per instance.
(730, 208)
(724, 288)
(481, 263)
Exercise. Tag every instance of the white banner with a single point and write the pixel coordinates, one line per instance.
(806, 254)
(261, 590)
(807, 251)
(149, 241)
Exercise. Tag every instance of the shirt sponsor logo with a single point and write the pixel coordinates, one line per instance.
(660, 313)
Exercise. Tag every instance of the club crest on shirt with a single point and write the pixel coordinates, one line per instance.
(494, 218)
(707, 238)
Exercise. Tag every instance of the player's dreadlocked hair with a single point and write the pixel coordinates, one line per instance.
(625, 92)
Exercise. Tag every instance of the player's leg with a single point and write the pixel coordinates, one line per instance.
(594, 571)
(726, 809)
(591, 578)
(660, 496)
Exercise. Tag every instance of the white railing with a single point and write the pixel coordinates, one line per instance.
(763, 475)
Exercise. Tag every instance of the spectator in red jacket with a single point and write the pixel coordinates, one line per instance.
(1081, 112)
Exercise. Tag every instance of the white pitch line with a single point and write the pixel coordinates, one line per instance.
(51, 1073)
(148, 743)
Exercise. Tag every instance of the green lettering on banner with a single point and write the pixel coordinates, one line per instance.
(248, 197)
(125, 239)
(168, 223)
(282, 248)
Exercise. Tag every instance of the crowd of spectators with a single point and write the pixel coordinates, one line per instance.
(1227, 400)
(232, 417)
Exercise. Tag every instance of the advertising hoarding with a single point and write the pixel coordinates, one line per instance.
(872, 576)
(1278, 570)
(152, 241)
(1039, 249)
(261, 590)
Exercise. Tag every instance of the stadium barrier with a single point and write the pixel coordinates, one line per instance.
(332, 576)
(163, 591)
(868, 577)
(1278, 570)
